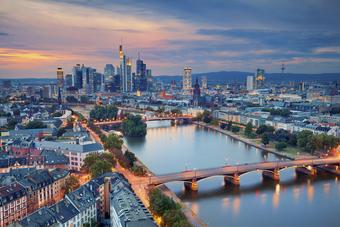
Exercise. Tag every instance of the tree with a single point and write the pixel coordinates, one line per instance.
(229, 125)
(112, 142)
(99, 167)
(104, 112)
(89, 161)
(174, 218)
(57, 114)
(264, 128)
(248, 131)
(176, 111)
(131, 158)
(292, 139)
(138, 170)
(159, 203)
(12, 123)
(35, 124)
(108, 157)
(278, 112)
(281, 146)
(282, 135)
(71, 184)
(207, 116)
(134, 126)
(235, 129)
(303, 138)
(165, 207)
(61, 131)
(265, 139)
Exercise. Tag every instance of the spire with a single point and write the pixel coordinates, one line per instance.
(138, 55)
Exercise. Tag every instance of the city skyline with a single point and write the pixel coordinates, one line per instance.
(39, 36)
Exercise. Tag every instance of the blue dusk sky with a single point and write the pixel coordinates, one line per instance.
(37, 36)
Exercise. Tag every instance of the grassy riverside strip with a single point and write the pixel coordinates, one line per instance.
(245, 140)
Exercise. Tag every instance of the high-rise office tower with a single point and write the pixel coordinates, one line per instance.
(187, 80)
(86, 80)
(141, 77)
(68, 81)
(109, 72)
(92, 80)
(260, 78)
(129, 79)
(204, 83)
(60, 78)
(196, 93)
(250, 83)
(302, 86)
(149, 78)
(60, 83)
(123, 70)
(77, 75)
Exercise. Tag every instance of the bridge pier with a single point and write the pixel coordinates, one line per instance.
(274, 175)
(232, 179)
(309, 170)
(193, 185)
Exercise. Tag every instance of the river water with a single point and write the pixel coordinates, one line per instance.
(295, 201)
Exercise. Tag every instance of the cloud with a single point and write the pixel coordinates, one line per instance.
(207, 35)
(293, 40)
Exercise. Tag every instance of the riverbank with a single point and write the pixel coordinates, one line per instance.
(141, 189)
(281, 154)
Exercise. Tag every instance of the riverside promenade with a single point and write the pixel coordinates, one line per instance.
(252, 143)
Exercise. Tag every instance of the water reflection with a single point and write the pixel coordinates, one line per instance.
(257, 201)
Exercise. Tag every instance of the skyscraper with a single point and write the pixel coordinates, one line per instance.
(260, 78)
(60, 83)
(187, 80)
(123, 70)
(196, 93)
(109, 72)
(204, 83)
(149, 79)
(68, 81)
(60, 78)
(250, 83)
(129, 80)
(141, 78)
(77, 75)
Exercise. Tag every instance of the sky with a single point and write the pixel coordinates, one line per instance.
(38, 36)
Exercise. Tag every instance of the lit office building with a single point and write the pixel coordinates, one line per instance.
(250, 83)
(109, 72)
(187, 80)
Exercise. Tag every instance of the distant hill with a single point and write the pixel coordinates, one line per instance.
(30, 81)
(240, 77)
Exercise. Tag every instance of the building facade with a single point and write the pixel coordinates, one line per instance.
(187, 80)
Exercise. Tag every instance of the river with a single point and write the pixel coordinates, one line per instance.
(295, 201)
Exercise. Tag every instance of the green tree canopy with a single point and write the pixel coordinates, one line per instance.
(303, 138)
(264, 128)
(99, 167)
(35, 124)
(113, 142)
(134, 126)
(104, 112)
(248, 130)
(71, 184)
(281, 146)
(265, 139)
(235, 129)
